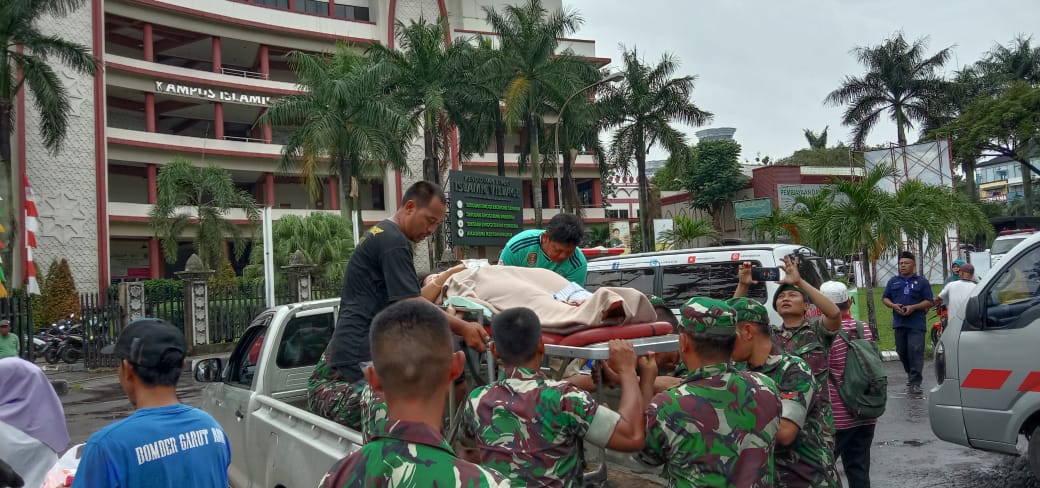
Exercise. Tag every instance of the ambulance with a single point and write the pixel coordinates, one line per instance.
(987, 365)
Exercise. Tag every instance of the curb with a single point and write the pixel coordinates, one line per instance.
(889, 356)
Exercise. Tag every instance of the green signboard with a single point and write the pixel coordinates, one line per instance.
(484, 210)
(758, 208)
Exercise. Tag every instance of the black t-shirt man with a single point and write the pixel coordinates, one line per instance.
(380, 272)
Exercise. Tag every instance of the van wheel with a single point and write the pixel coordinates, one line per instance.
(1034, 451)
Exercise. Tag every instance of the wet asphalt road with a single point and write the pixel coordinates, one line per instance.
(905, 452)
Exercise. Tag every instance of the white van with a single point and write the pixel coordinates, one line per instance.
(988, 392)
(676, 276)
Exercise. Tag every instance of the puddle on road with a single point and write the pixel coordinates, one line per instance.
(905, 442)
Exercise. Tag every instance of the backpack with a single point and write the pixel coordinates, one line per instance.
(864, 387)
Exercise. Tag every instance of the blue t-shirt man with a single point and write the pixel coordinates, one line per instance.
(909, 296)
(173, 446)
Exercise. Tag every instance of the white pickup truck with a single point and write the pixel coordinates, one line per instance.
(259, 396)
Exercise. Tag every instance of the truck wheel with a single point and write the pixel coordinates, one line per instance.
(1034, 451)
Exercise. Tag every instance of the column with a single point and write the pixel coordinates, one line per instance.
(269, 189)
(332, 8)
(154, 259)
(551, 189)
(149, 45)
(153, 189)
(149, 112)
(333, 194)
(265, 61)
(218, 120)
(597, 193)
(216, 54)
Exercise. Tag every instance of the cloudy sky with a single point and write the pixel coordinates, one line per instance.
(765, 66)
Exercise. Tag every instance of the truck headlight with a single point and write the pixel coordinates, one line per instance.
(940, 362)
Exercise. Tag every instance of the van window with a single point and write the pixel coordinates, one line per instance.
(641, 279)
(1014, 299)
(304, 340)
(715, 280)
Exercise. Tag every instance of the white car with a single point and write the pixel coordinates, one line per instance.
(1006, 240)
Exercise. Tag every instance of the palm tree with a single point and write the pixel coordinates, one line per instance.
(816, 141)
(578, 132)
(201, 197)
(28, 59)
(860, 218)
(343, 123)
(642, 108)
(325, 239)
(426, 77)
(899, 80)
(534, 74)
(685, 231)
(484, 121)
(1003, 65)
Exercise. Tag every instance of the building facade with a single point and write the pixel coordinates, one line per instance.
(190, 79)
(1000, 179)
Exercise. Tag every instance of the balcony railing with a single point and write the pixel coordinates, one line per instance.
(245, 139)
(243, 73)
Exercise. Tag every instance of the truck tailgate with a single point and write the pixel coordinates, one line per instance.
(295, 447)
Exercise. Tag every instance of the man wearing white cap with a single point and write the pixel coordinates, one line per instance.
(853, 435)
(956, 293)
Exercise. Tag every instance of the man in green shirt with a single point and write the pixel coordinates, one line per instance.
(8, 341)
(554, 249)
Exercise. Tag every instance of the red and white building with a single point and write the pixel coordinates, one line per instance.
(190, 78)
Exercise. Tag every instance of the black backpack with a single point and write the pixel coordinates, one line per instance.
(864, 387)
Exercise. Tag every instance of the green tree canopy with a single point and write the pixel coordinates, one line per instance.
(325, 239)
(199, 198)
(713, 176)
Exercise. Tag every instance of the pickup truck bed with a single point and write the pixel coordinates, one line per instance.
(260, 398)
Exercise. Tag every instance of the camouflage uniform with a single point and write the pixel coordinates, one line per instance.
(717, 427)
(331, 396)
(409, 454)
(531, 428)
(809, 460)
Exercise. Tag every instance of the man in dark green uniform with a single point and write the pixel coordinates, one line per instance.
(804, 458)
(413, 367)
(716, 428)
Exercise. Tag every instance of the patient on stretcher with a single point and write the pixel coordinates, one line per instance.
(562, 306)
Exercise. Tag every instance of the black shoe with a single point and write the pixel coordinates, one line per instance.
(914, 390)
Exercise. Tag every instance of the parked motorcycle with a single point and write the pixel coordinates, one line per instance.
(71, 350)
(53, 339)
(940, 325)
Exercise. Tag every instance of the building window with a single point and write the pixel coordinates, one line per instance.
(617, 214)
(273, 3)
(312, 7)
(351, 12)
(1001, 174)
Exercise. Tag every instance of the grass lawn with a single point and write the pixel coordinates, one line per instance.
(886, 337)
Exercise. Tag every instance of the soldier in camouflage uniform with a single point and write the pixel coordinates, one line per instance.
(413, 367)
(803, 456)
(333, 397)
(531, 428)
(717, 427)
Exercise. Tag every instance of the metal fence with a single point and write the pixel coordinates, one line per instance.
(232, 309)
(102, 320)
(18, 310)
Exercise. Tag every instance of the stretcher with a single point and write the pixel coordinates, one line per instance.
(592, 344)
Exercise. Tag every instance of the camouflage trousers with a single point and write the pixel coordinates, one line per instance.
(353, 404)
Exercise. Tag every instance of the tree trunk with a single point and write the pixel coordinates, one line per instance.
(1027, 188)
(868, 281)
(900, 127)
(500, 143)
(7, 192)
(968, 166)
(347, 203)
(646, 230)
(536, 170)
(570, 189)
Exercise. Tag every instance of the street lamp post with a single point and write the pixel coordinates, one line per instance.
(559, 121)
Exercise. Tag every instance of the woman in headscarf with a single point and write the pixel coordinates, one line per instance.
(32, 422)
(955, 267)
